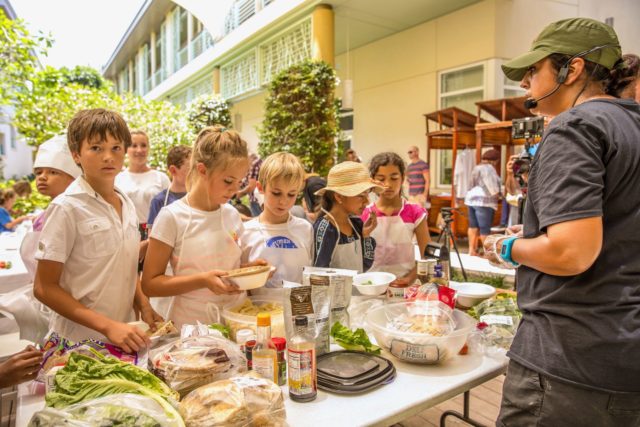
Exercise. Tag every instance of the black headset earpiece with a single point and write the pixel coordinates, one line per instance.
(563, 72)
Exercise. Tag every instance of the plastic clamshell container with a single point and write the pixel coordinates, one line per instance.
(373, 283)
(416, 347)
(236, 321)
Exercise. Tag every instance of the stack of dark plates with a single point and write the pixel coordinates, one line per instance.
(350, 372)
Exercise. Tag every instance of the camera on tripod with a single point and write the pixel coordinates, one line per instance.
(527, 128)
(447, 213)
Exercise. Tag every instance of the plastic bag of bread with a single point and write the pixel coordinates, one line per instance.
(246, 400)
(188, 363)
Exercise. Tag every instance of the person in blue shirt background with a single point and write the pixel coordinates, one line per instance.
(7, 199)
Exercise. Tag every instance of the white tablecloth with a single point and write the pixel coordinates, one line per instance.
(17, 275)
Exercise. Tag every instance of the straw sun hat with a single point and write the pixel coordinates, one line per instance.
(349, 179)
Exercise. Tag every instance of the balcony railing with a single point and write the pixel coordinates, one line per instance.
(200, 43)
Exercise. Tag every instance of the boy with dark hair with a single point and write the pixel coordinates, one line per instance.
(88, 250)
(178, 164)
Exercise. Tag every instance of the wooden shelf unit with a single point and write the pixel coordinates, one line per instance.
(456, 128)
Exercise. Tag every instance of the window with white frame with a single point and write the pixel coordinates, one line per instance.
(123, 80)
(146, 69)
(461, 88)
(134, 74)
(512, 88)
(160, 59)
(181, 37)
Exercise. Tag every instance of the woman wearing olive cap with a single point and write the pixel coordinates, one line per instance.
(575, 356)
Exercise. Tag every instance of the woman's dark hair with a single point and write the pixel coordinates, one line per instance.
(609, 79)
(625, 75)
(386, 159)
(311, 185)
(327, 201)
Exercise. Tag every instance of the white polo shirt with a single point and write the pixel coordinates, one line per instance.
(142, 188)
(99, 252)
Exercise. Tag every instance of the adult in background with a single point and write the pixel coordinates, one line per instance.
(418, 178)
(574, 359)
(248, 185)
(352, 156)
(139, 181)
(310, 202)
(482, 200)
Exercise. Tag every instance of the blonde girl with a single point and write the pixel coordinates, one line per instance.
(199, 234)
(398, 221)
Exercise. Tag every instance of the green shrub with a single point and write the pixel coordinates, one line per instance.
(301, 115)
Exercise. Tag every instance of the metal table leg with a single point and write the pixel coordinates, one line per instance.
(464, 416)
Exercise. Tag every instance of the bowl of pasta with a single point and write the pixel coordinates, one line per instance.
(242, 315)
(426, 332)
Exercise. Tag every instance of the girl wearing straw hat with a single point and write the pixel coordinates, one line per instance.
(342, 239)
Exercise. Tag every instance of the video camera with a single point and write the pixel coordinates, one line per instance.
(527, 128)
(447, 213)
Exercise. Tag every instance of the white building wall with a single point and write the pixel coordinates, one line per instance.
(17, 160)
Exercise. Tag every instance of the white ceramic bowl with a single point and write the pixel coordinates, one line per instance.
(373, 283)
(250, 277)
(471, 294)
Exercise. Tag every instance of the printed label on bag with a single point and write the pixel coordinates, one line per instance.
(427, 353)
(495, 319)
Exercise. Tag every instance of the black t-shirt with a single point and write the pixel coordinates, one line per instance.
(585, 329)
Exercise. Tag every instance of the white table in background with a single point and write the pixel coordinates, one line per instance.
(415, 389)
(17, 275)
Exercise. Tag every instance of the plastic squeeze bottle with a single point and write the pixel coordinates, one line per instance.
(264, 357)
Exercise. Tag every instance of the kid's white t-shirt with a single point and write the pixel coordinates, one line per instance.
(288, 246)
(141, 188)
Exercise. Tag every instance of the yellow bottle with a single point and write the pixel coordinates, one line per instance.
(264, 357)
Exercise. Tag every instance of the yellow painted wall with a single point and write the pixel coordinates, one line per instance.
(251, 111)
(395, 79)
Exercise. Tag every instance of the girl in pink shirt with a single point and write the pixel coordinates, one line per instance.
(398, 221)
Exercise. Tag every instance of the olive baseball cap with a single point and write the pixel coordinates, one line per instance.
(569, 37)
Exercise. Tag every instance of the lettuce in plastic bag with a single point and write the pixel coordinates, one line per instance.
(84, 378)
(113, 410)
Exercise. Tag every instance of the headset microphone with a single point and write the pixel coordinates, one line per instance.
(563, 72)
(530, 103)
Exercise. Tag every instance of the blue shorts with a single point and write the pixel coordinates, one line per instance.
(481, 217)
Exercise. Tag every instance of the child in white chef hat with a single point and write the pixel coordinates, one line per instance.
(55, 170)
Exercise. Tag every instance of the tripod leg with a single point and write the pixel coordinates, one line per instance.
(455, 247)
